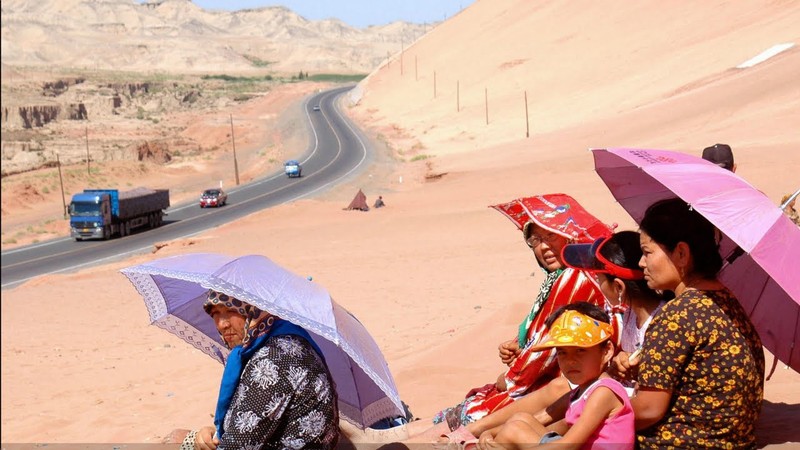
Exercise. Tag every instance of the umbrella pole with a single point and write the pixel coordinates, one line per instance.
(794, 196)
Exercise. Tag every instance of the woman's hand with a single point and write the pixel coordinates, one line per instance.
(508, 351)
(624, 366)
(205, 439)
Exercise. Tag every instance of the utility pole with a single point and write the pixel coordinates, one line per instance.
(88, 170)
(458, 96)
(527, 122)
(402, 51)
(61, 180)
(233, 144)
(486, 100)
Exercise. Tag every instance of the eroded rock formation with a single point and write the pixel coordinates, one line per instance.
(38, 116)
(157, 152)
(58, 87)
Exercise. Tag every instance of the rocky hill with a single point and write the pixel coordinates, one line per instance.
(122, 71)
(178, 36)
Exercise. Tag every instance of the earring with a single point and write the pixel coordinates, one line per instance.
(619, 298)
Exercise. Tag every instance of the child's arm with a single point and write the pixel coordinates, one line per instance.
(559, 427)
(601, 404)
(556, 411)
(547, 404)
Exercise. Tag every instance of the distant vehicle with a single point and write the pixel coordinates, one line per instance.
(104, 213)
(292, 168)
(316, 108)
(213, 197)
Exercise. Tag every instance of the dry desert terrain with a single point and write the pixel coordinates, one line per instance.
(437, 277)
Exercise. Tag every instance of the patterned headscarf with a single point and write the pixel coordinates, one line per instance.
(257, 322)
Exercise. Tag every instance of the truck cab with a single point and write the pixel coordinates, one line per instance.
(90, 215)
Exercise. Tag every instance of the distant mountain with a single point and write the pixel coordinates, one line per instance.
(179, 36)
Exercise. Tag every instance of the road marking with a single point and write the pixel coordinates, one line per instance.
(28, 247)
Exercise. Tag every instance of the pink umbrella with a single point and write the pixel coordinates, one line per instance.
(760, 245)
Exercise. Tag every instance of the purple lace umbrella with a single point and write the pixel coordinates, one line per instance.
(175, 288)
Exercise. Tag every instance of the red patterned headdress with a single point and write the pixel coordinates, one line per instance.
(558, 213)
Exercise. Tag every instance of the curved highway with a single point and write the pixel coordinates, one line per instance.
(336, 151)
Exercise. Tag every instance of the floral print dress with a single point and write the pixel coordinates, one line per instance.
(703, 347)
(286, 399)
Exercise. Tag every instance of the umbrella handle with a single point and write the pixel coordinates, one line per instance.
(737, 252)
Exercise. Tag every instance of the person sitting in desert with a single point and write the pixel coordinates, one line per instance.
(721, 155)
(548, 223)
(614, 262)
(697, 385)
(680, 255)
(599, 413)
(260, 375)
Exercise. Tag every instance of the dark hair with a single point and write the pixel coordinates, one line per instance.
(585, 308)
(671, 221)
(624, 250)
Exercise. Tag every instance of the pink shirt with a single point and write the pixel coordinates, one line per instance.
(616, 432)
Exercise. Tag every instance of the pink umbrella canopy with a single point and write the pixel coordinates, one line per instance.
(760, 246)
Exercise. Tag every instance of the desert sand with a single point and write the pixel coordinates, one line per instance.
(437, 277)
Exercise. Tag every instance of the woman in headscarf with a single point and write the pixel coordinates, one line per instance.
(276, 391)
(548, 223)
(614, 262)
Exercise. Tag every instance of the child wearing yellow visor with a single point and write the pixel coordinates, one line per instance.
(599, 414)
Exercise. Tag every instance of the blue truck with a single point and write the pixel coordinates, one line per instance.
(105, 213)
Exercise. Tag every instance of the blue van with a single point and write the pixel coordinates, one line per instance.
(292, 168)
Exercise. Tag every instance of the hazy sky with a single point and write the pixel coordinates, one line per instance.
(358, 13)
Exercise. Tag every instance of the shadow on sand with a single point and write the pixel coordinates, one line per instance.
(778, 424)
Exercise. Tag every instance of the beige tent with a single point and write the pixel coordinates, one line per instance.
(359, 202)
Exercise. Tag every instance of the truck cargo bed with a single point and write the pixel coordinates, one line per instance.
(139, 201)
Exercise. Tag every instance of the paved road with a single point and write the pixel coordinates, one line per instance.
(336, 151)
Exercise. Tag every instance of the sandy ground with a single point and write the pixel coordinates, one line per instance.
(437, 277)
